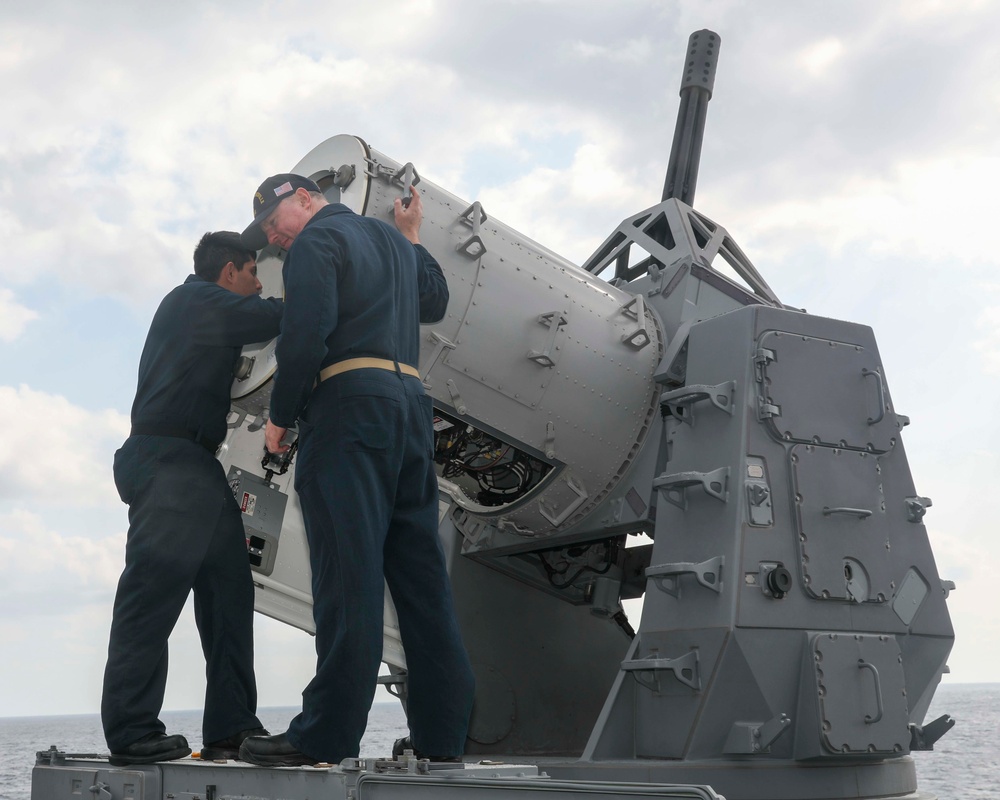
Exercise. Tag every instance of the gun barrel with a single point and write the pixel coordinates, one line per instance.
(697, 84)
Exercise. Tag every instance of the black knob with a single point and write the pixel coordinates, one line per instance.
(779, 581)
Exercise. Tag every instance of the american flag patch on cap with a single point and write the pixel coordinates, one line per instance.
(285, 188)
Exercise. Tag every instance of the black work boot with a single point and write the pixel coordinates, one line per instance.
(273, 751)
(229, 748)
(152, 747)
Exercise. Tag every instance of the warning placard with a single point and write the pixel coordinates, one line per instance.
(249, 503)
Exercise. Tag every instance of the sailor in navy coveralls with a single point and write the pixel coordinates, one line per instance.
(185, 528)
(356, 291)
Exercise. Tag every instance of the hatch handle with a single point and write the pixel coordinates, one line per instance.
(860, 513)
(554, 320)
(869, 719)
(474, 247)
(881, 395)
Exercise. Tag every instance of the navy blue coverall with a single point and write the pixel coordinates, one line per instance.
(185, 529)
(355, 287)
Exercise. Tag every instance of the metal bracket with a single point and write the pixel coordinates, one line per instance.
(923, 737)
(673, 365)
(406, 176)
(755, 737)
(56, 757)
(766, 410)
(440, 345)
(550, 440)
(916, 507)
(554, 320)
(722, 396)
(715, 484)
(707, 573)
(373, 169)
(761, 358)
(456, 397)
(101, 791)
(394, 684)
(759, 504)
(636, 309)
(573, 505)
(474, 247)
(685, 669)
(475, 531)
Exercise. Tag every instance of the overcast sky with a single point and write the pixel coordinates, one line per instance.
(852, 151)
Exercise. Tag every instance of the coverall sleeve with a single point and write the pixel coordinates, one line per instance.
(311, 309)
(231, 320)
(431, 285)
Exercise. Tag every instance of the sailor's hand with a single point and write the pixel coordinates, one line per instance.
(273, 436)
(408, 217)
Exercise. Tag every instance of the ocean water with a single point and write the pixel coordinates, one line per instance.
(962, 766)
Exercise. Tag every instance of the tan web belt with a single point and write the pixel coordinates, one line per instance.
(365, 363)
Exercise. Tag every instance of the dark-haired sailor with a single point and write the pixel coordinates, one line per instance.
(185, 529)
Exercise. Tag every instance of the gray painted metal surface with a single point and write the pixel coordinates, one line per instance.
(794, 625)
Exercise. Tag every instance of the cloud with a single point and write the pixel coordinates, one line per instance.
(57, 454)
(47, 571)
(936, 10)
(899, 212)
(13, 316)
(633, 51)
(819, 57)
(988, 324)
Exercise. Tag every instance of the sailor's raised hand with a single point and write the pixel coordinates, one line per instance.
(409, 216)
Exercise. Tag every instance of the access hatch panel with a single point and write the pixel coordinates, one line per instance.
(824, 391)
(861, 692)
(842, 526)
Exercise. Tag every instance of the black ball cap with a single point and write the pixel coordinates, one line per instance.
(265, 200)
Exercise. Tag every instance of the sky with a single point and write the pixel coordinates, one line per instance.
(852, 150)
